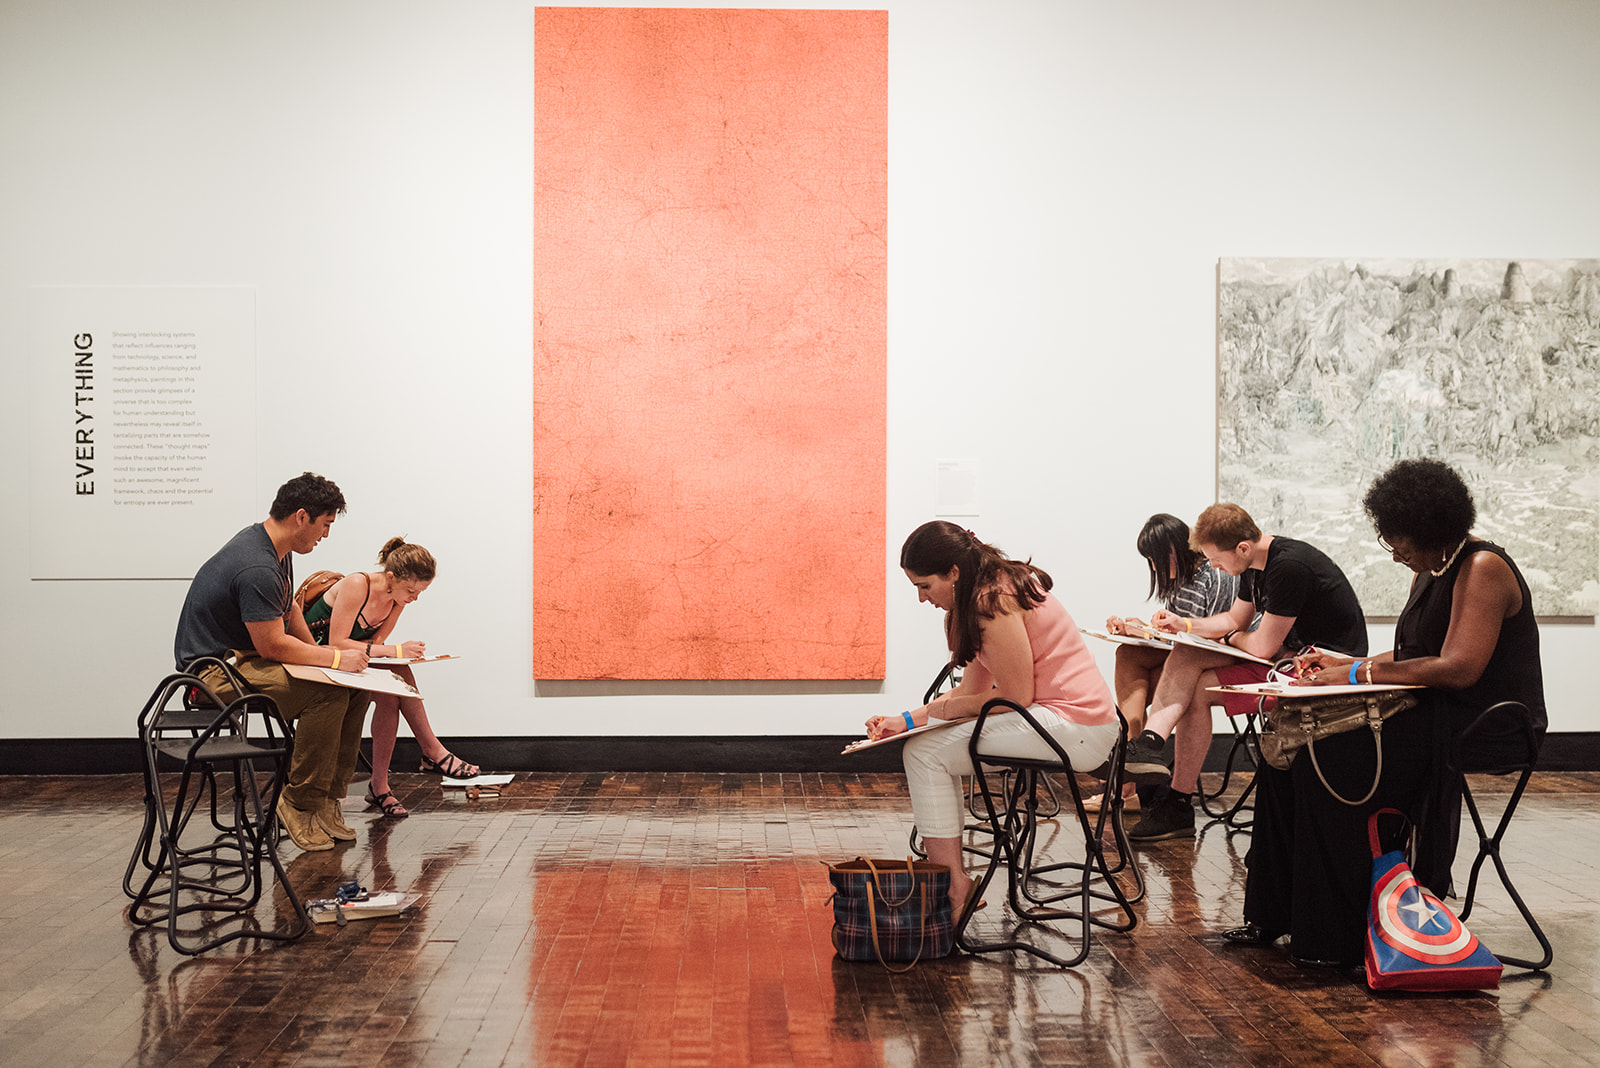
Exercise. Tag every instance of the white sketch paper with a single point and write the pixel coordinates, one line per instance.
(1330, 370)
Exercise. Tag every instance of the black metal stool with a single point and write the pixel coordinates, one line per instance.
(1245, 745)
(192, 713)
(1517, 755)
(218, 877)
(1035, 890)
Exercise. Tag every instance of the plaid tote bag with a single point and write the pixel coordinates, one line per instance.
(891, 911)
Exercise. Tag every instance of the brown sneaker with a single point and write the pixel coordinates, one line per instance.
(330, 817)
(302, 827)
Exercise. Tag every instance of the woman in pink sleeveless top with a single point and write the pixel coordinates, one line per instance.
(1014, 640)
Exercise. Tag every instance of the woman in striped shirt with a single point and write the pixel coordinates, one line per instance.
(1189, 588)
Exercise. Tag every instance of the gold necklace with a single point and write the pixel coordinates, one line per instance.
(1446, 565)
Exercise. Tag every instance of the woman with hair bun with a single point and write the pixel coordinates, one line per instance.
(1014, 640)
(360, 612)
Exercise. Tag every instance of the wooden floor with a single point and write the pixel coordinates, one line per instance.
(682, 919)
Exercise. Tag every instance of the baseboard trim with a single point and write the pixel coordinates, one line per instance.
(772, 753)
(1567, 751)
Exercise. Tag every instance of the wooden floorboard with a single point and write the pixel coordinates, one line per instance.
(683, 919)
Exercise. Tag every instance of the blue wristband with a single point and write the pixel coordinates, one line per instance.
(1353, 665)
(911, 724)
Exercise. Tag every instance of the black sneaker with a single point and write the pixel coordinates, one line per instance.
(1147, 762)
(1251, 934)
(1170, 817)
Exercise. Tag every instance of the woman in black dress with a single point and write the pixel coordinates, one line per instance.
(1468, 634)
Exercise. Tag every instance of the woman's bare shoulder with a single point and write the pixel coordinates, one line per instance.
(356, 580)
(1486, 565)
(1487, 575)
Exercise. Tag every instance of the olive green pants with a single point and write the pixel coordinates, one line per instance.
(328, 723)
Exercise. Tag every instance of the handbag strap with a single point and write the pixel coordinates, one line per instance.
(1375, 722)
(1372, 829)
(911, 871)
(922, 925)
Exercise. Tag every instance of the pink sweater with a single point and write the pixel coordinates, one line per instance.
(1066, 678)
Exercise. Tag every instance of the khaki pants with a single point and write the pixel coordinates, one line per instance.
(328, 724)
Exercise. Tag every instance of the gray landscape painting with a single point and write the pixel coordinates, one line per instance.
(1331, 370)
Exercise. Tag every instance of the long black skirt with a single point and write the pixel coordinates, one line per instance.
(1309, 869)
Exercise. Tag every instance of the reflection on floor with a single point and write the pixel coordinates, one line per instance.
(662, 919)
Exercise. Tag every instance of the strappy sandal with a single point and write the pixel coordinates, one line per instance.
(451, 767)
(969, 907)
(387, 803)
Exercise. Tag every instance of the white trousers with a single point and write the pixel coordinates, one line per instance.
(937, 761)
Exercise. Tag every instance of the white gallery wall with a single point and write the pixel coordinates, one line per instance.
(1063, 179)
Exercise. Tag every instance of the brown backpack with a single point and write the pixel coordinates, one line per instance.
(315, 586)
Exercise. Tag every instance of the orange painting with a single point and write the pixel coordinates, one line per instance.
(710, 211)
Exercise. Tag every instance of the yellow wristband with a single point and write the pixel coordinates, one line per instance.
(336, 660)
(1188, 625)
(399, 653)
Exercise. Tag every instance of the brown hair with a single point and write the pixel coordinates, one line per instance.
(1224, 526)
(406, 561)
(987, 579)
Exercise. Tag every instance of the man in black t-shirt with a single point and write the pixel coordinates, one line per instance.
(1304, 599)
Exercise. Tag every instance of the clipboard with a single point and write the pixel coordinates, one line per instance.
(1184, 638)
(869, 743)
(379, 681)
(407, 661)
(1128, 639)
(1285, 689)
(393, 903)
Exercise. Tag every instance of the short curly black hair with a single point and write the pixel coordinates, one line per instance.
(1425, 501)
(315, 494)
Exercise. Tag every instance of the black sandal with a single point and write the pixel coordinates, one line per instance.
(451, 767)
(387, 803)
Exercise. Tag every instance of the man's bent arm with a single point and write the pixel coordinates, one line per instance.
(295, 624)
(1266, 639)
(274, 643)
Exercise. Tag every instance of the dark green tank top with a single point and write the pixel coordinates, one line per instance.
(320, 615)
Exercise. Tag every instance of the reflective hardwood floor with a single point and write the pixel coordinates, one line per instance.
(682, 919)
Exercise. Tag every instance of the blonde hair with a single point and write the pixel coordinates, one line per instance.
(406, 561)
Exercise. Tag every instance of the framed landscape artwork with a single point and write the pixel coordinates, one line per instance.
(1330, 370)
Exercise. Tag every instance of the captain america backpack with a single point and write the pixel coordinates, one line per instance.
(1413, 941)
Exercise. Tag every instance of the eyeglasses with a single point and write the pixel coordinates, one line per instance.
(1402, 557)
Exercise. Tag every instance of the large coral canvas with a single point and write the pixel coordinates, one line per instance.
(710, 254)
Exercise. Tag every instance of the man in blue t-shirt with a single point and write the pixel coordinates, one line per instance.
(1304, 599)
(241, 603)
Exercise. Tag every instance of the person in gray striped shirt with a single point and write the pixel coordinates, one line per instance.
(1187, 586)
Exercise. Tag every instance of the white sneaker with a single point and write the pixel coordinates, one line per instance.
(1130, 803)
